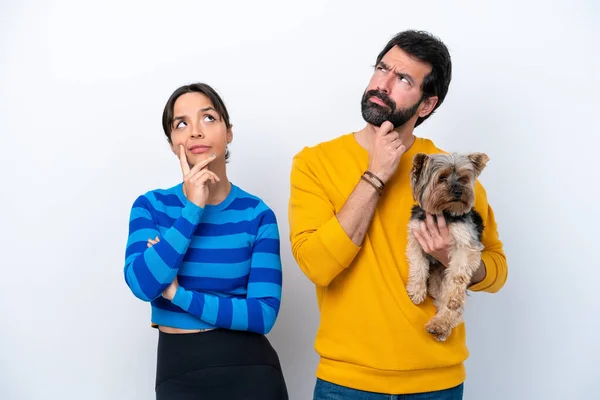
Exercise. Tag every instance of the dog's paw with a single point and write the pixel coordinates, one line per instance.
(438, 330)
(456, 303)
(417, 293)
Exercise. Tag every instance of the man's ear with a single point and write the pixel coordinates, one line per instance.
(427, 106)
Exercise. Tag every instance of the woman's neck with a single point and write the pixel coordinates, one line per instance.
(217, 192)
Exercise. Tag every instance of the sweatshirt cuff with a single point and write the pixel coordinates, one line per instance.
(182, 298)
(337, 242)
(490, 274)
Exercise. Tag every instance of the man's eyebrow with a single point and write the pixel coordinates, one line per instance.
(398, 74)
(384, 65)
(405, 75)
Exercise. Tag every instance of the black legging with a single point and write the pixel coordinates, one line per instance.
(219, 364)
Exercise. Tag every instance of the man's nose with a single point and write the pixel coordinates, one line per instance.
(385, 83)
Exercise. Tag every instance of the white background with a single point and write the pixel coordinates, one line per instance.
(82, 88)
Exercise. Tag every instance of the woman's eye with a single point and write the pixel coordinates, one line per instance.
(179, 124)
(209, 118)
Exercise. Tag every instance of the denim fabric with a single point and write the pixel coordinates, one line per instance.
(330, 391)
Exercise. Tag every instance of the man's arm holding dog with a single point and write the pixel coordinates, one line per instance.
(493, 270)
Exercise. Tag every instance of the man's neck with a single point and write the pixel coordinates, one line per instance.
(365, 136)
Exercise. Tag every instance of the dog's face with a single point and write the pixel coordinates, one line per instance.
(442, 182)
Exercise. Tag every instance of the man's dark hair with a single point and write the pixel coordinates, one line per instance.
(427, 48)
(213, 96)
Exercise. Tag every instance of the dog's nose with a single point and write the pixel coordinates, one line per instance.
(457, 192)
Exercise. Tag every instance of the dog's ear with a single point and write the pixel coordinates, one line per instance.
(479, 161)
(418, 165)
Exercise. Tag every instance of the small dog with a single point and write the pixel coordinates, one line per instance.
(445, 184)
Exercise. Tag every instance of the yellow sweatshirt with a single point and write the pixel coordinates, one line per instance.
(371, 336)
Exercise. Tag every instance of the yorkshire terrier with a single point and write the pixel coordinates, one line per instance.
(444, 184)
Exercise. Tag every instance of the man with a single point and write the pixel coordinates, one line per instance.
(350, 240)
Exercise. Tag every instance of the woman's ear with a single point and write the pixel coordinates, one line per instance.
(230, 134)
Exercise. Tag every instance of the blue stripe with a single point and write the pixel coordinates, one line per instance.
(164, 304)
(267, 217)
(142, 235)
(239, 319)
(202, 284)
(161, 271)
(143, 203)
(268, 231)
(169, 200)
(266, 260)
(232, 228)
(262, 289)
(144, 277)
(227, 217)
(184, 227)
(135, 248)
(197, 305)
(223, 256)
(203, 270)
(211, 307)
(220, 242)
(167, 253)
(242, 203)
(255, 316)
(140, 223)
(177, 319)
(225, 313)
(163, 220)
(272, 302)
(266, 275)
(267, 246)
(176, 212)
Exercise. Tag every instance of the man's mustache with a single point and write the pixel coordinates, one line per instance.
(381, 96)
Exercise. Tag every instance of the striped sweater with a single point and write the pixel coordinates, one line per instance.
(226, 258)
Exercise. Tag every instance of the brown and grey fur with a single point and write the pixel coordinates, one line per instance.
(445, 184)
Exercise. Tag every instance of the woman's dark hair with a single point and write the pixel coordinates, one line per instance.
(427, 48)
(213, 96)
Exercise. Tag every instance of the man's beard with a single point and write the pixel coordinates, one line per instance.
(376, 114)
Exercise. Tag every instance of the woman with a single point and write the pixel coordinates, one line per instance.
(205, 254)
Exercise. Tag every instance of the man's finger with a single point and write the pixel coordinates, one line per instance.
(433, 230)
(386, 128)
(426, 235)
(441, 223)
(422, 242)
(185, 167)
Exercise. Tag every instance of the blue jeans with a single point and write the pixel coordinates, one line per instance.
(329, 391)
